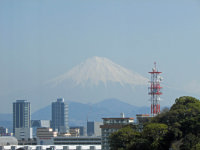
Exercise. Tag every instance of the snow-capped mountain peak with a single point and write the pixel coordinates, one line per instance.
(99, 69)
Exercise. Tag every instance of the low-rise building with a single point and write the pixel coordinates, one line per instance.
(23, 133)
(39, 124)
(93, 128)
(4, 132)
(141, 119)
(74, 132)
(45, 136)
(81, 128)
(111, 125)
(32, 141)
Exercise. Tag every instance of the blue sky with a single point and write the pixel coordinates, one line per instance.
(40, 40)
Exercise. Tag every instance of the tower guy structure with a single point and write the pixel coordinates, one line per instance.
(155, 90)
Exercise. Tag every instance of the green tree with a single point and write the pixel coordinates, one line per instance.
(155, 133)
(196, 147)
(189, 141)
(123, 138)
(178, 127)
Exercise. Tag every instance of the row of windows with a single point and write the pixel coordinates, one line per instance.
(78, 139)
(77, 143)
(116, 121)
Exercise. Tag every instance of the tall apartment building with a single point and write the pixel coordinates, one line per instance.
(60, 116)
(111, 125)
(21, 114)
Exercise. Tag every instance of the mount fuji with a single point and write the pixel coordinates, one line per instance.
(96, 79)
(97, 70)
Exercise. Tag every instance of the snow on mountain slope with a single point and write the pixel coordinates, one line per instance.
(99, 69)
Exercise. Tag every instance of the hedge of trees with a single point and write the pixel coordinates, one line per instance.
(177, 128)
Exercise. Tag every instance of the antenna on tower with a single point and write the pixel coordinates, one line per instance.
(155, 90)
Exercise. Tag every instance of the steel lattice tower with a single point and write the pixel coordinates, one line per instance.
(155, 90)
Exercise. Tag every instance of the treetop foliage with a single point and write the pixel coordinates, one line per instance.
(177, 128)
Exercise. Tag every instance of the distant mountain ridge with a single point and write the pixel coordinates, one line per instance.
(79, 113)
(6, 121)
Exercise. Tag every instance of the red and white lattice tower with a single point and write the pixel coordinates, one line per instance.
(155, 90)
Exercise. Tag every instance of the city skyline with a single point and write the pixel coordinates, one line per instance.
(41, 40)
